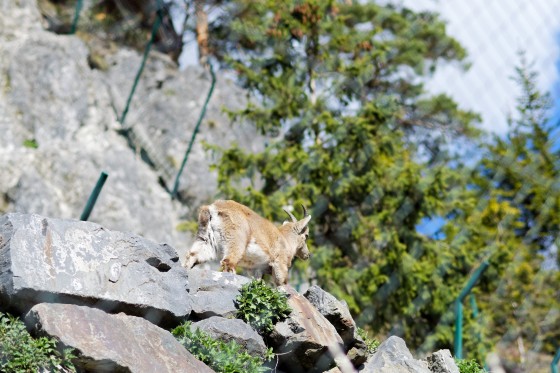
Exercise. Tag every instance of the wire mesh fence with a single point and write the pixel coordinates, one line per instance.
(493, 33)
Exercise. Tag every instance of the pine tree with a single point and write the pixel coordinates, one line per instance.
(338, 90)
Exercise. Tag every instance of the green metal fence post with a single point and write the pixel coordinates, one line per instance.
(474, 306)
(458, 342)
(554, 364)
(458, 347)
(77, 12)
(93, 197)
(175, 189)
(155, 28)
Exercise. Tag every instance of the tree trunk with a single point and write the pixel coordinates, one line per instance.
(201, 32)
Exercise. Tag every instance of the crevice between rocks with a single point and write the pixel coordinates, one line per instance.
(165, 319)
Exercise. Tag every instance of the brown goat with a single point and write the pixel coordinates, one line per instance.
(243, 238)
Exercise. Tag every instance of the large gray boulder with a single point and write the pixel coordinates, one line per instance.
(52, 260)
(334, 310)
(392, 356)
(339, 316)
(233, 330)
(57, 181)
(306, 340)
(214, 293)
(112, 343)
(442, 362)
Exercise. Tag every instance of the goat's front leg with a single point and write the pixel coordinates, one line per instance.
(233, 252)
(279, 273)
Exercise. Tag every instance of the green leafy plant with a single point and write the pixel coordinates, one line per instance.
(187, 226)
(19, 352)
(469, 366)
(223, 357)
(30, 143)
(371, 343)
(261, 306)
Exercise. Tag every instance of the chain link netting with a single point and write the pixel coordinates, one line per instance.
(494, 33)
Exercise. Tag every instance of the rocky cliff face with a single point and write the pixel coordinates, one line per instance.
(60, 129)
(113, 296)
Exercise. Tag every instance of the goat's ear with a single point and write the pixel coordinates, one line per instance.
(302, 224)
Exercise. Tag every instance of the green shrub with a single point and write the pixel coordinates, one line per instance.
(261, 306)
(371, 343)
(19, 352)
(30, 143)
(187, 226)
(223, 357)
(468, 366)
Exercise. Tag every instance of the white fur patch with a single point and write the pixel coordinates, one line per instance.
(255, 257)
(213, 231)
(202, 252)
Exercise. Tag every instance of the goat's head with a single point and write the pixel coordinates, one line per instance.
(299, 232)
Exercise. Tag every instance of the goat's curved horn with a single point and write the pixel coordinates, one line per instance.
(304, 210)
(290, 215)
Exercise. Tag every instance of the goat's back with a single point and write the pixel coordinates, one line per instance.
(240, 218)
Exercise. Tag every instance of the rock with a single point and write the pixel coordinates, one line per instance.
(44, 262)
(392, 356)
(51, 260)
(19, 17)
(233, 330)
(46, 74)
(57, 181)
(112, 343)
(339, 316)
(307, 335)
(334, 370)
(213, 293)
(494, 363)
(358, 353)
(442, 362)
(335, 311)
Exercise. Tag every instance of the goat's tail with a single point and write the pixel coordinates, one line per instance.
(203, 249)
(204, 217)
